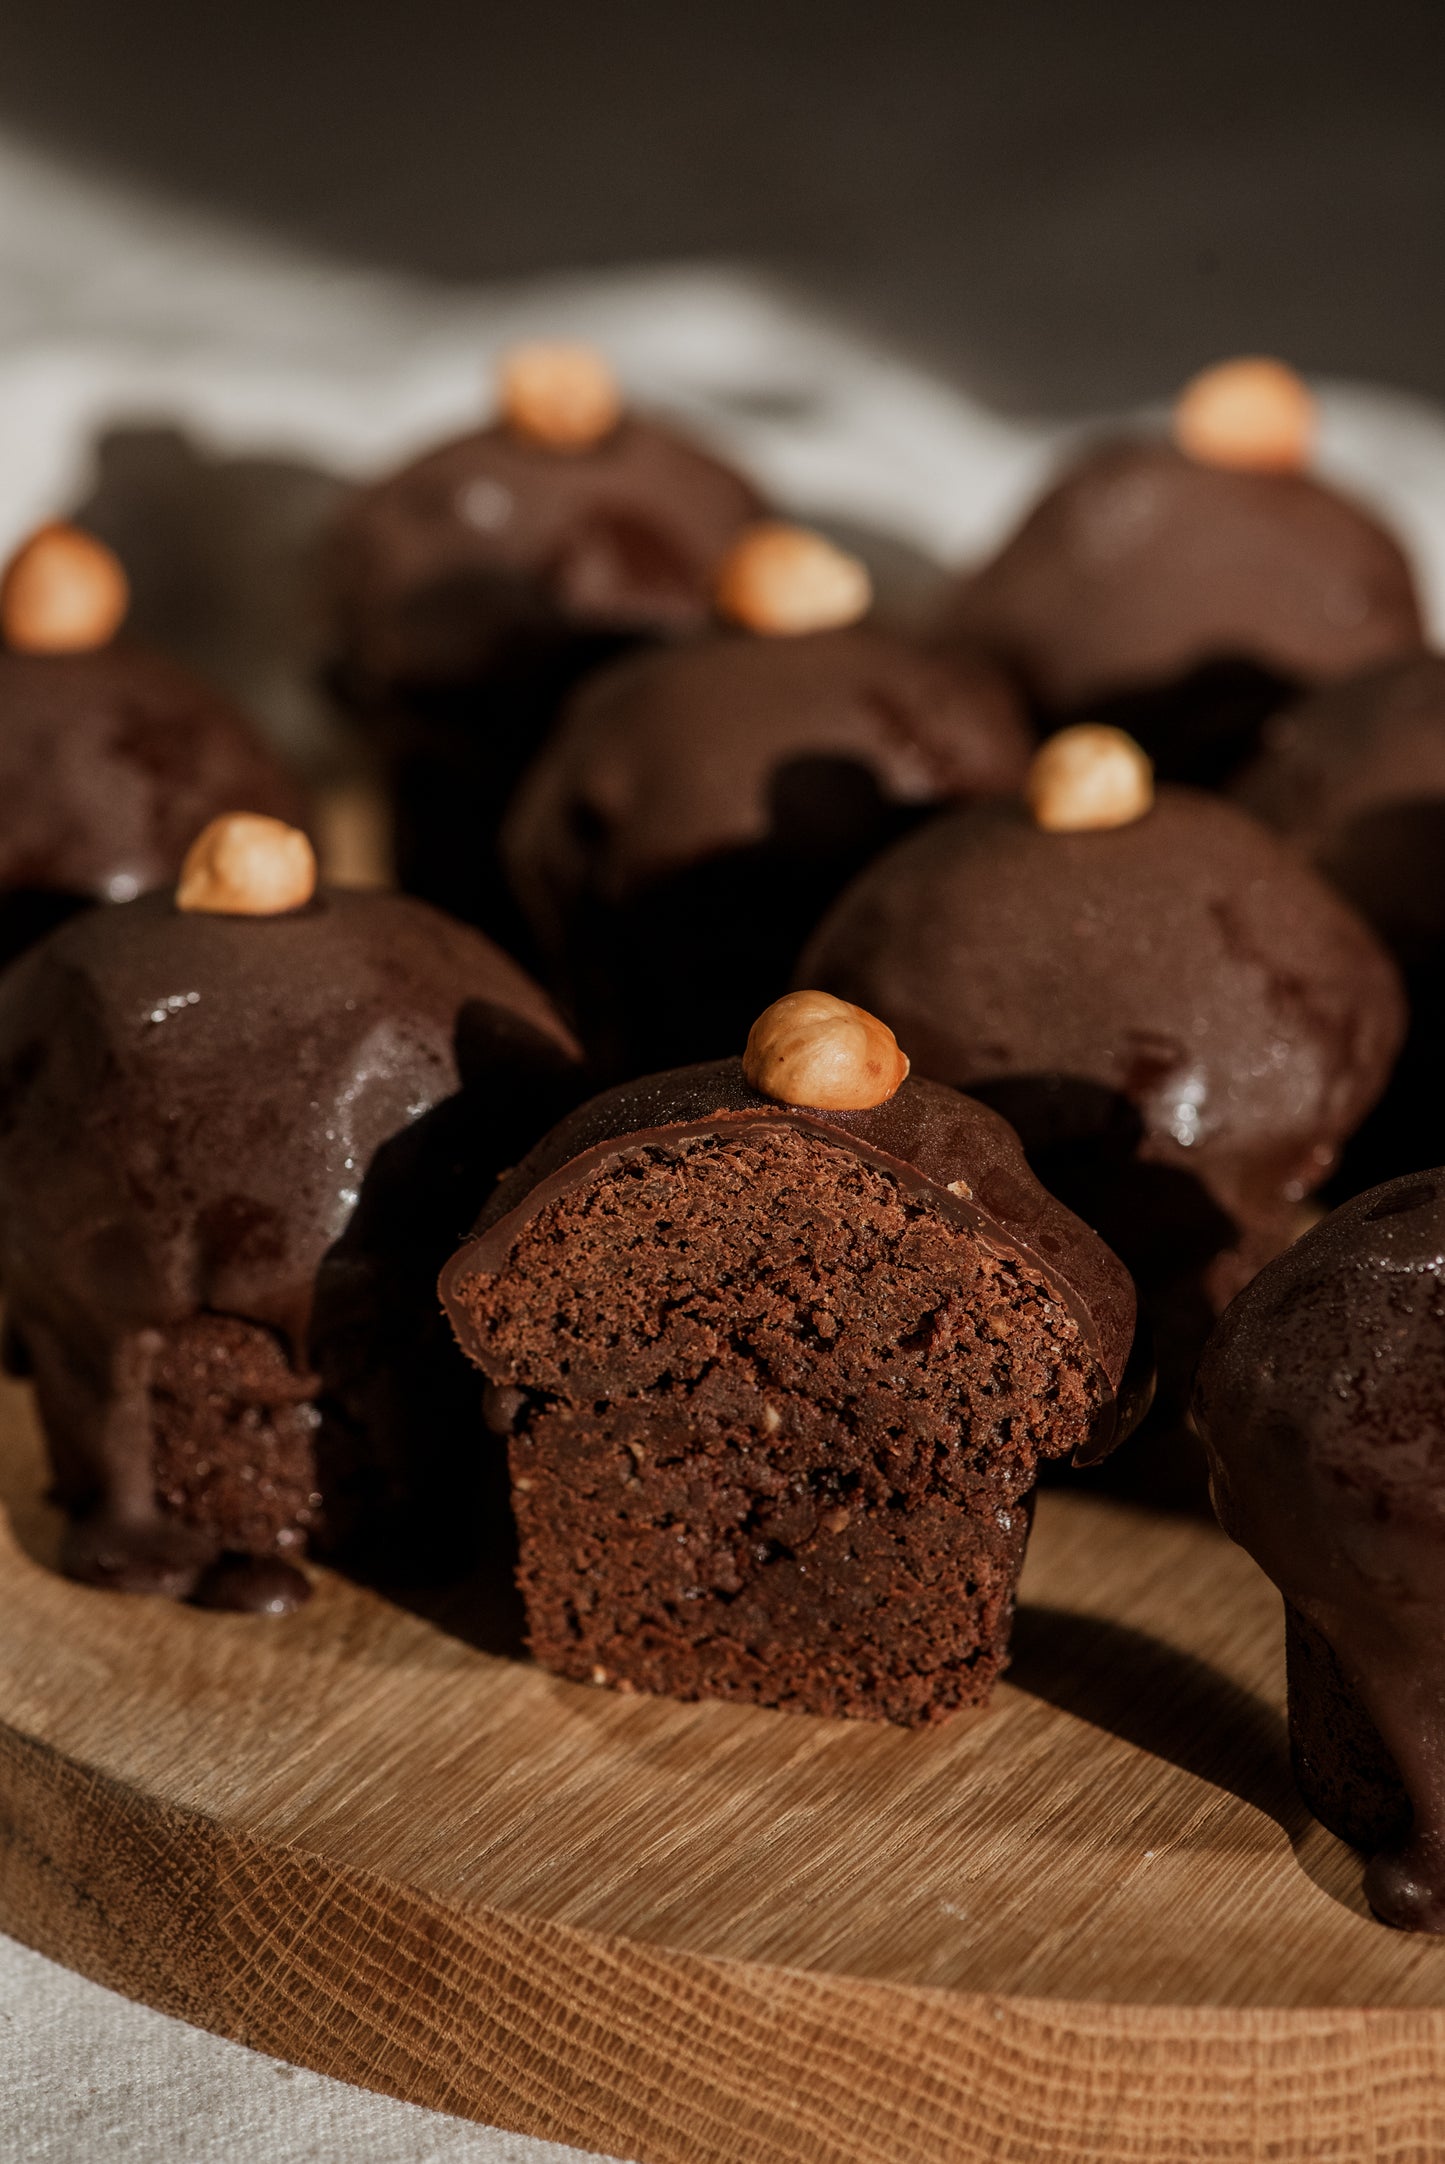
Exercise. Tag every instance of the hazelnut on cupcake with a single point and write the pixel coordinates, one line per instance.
(1184, 586)
(463, 595)
(1182, 1020)
(240, 1116)
(777, 1345)
(111, 756)
(700, 806)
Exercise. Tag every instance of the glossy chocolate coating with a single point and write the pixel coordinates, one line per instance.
(929, 1138)
(1321, 1401)
(111, 762)
(492, 546)
(1354, 778)
(698, 808)
(1142, 572)
(1185, 973)
(1354, 775)
(674, 756)
(208, 1116)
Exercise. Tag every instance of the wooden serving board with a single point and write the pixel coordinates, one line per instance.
(1093, 1925)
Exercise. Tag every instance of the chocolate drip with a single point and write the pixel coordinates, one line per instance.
(253, 1585)
(232, 1154)
(1322, 1404)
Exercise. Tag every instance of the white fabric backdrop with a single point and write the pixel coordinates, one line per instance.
(120, 314)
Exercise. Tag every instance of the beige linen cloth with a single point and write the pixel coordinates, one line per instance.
(201, 395)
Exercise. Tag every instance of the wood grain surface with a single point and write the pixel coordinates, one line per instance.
(1092, 1925)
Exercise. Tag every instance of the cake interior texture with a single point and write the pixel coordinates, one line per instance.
(775, 1420)
(233, 1434)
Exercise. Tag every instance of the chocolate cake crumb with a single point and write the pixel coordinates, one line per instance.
(781, 1420)
(232, 1435)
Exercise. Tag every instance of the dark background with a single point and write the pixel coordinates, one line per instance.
(1069, 205)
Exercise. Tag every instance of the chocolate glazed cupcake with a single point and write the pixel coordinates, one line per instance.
(235, 1123)
(778, 1346)
(1322, 1405)
(466, 594)
(1354, 778)
(111, 757)
(700, 806)
(1182, 1021)
(1184, 590)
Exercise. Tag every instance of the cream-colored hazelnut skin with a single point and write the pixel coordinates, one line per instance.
(1086, 778)
(63, 592)
(1254, 415)
(246, 865)
(810, 1049)
(564, 397)
(783, 580)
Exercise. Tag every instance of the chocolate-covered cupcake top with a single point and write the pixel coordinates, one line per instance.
(1321, 1400)
(1183, 964)
(1355, 776)
(110, 761)
(677, 755)
(568, 513)
(231, 1077)
(1142, 564)
(931, 1139)
(111, 757)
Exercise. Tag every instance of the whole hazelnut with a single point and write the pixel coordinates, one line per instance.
(63, 592)
(246, 865)
(783, 580)
(564, 397)
(810, 1049)
(1255, 415)
(1086, 778)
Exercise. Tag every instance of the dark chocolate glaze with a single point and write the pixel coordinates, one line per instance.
(252, 1585)
(1354, 775)
(699, 807)
(110, 764)
(197, 1114)
(676, 755)
(929, 1138)
(1321, 1401)
(438, 573)
(1142, 571)
(1185, 970)
(464, 597)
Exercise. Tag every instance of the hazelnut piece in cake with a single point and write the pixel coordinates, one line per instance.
(111, 756)
(464, 594)
(1321, 1402)
(1185, 586)
(1183, 1021)
(701, 805)
(240, 1117)
(776, 1376)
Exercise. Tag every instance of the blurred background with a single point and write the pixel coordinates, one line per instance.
(1065, 203)
(887, 257)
